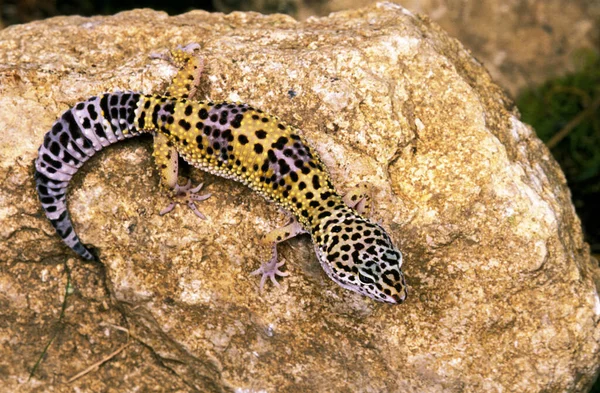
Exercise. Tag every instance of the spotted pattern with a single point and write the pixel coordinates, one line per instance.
(235, 141)
(79, 133)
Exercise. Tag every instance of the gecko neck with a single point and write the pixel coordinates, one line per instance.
(330, 219)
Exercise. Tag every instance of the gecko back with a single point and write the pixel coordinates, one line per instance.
(76, 136)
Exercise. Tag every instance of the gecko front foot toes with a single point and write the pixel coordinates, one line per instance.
(270, 270)
(190, 48)
(188, 195)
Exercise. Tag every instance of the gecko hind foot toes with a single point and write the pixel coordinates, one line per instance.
(270, 270)
(187, 195)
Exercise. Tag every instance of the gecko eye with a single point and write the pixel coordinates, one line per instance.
(365, 279)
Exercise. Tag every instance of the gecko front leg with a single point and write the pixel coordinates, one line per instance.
(183, 86)
(270, 269)
(359, 198)
(166, 159)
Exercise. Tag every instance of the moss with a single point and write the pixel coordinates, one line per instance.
(564, 112)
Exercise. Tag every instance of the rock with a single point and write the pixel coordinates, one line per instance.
(502, 286)
(522, 44)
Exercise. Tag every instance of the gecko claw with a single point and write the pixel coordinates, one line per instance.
(270, 270)
(188, 195)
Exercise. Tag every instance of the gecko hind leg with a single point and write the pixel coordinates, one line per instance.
(270, 269)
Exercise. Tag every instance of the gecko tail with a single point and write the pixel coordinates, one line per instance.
(77, 135)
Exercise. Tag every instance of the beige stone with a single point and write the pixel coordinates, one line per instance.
(502, 287)
(521, 43)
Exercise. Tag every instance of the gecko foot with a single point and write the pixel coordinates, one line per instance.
(188, 195)
(190, 48)
(270, 270)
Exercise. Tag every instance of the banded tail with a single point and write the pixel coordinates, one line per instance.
(80, 132)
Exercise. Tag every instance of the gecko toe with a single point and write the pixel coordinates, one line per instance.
(187, 195)
(270, 270)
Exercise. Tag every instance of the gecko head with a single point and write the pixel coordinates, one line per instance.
(360, 256)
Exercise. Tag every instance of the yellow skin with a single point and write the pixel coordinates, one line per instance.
(238, 142)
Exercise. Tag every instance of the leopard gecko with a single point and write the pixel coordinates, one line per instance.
(235, 141)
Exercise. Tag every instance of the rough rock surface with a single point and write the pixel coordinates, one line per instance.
(502, 287)
(522, 43)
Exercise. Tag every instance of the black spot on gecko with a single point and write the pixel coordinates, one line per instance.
(170, 107)
(92, 111)
(125, 98)
(155, 114)
(69, 158)
(227, 135)
(203, 114)
(265, 166)
(243, 139)
(284, 168)
(261, 134)
(258, 148)
(55, 148)
(130, 116)
(99, 130)
(280, 144)
(323, 215)
(237, 121)
(188, 110)
(184, 124)
(51, 161)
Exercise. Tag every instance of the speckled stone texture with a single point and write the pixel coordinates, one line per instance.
(502, 287)
(522, 43)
